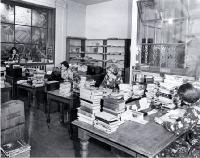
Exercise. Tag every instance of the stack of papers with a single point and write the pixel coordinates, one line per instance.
(65, 89)
(126, 90)
(173, 115)
(151, 91)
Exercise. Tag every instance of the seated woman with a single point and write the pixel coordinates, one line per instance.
(66, 72)
(14, 56)
(187, 124)
(112, 78)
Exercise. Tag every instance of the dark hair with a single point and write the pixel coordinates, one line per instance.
(13, 48)
(65, 63)
(188, 93)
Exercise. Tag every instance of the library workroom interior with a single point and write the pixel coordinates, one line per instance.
(100, 78)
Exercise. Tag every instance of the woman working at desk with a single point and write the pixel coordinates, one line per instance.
(188, 123)
(14, 56)
(66, 72)
(112, 78)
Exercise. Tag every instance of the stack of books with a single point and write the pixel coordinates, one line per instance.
(107, 122)
(113, 106)
(90, 99)
(65, 89)
(16, 149)
(151, 91)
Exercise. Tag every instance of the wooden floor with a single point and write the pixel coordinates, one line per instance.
(55, 141)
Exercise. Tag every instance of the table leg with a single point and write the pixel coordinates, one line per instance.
(70, 118)
(34, 99)
(48, 111)
(17, 92)
(84, 148)
(29, 99)
(82, 134)
(61, 112)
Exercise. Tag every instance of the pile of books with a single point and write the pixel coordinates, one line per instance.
(138, 90)
(16, 149)
(90, 99)
(114, 106)
(151, 91)
(127, 90)
(107, 122)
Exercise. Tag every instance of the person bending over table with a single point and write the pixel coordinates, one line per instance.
(187, 144)
(66, 72)
(112, 78)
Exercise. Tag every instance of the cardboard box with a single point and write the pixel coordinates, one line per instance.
(12, 114)
(16, 148)
(12, 134)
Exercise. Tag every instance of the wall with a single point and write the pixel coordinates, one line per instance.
(76, 16)
(109, 19)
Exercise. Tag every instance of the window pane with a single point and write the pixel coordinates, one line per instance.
(39, 18)
(22, 34)
(22, 15)
(38, 53)
(39, 36)
(50, 54)
(5, 48)
(7, 13)
(24, 51)
(7, 33)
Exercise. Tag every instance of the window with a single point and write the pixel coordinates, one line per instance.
(30, 29)
(162, 30)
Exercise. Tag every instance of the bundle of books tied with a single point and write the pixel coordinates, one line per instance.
(90, 99)
(17, 148)
(107, 122)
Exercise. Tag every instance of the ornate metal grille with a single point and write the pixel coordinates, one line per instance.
(162, 55)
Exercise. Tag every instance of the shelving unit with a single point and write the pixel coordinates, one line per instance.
(101, 52)
(118, 53)
(94, 51)
(75, 47)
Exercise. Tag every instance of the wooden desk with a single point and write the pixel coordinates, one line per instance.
(56, 96)
(131, 137)
(31, 90)
(6, 92)
(13, 82)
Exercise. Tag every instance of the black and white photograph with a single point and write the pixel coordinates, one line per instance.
(100, 78)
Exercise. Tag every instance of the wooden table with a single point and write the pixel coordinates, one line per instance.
(63, 100)
(6, 92)
(131, 137)
(31, 90)
(13, 82)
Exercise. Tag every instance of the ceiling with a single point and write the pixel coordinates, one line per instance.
(90, 2)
